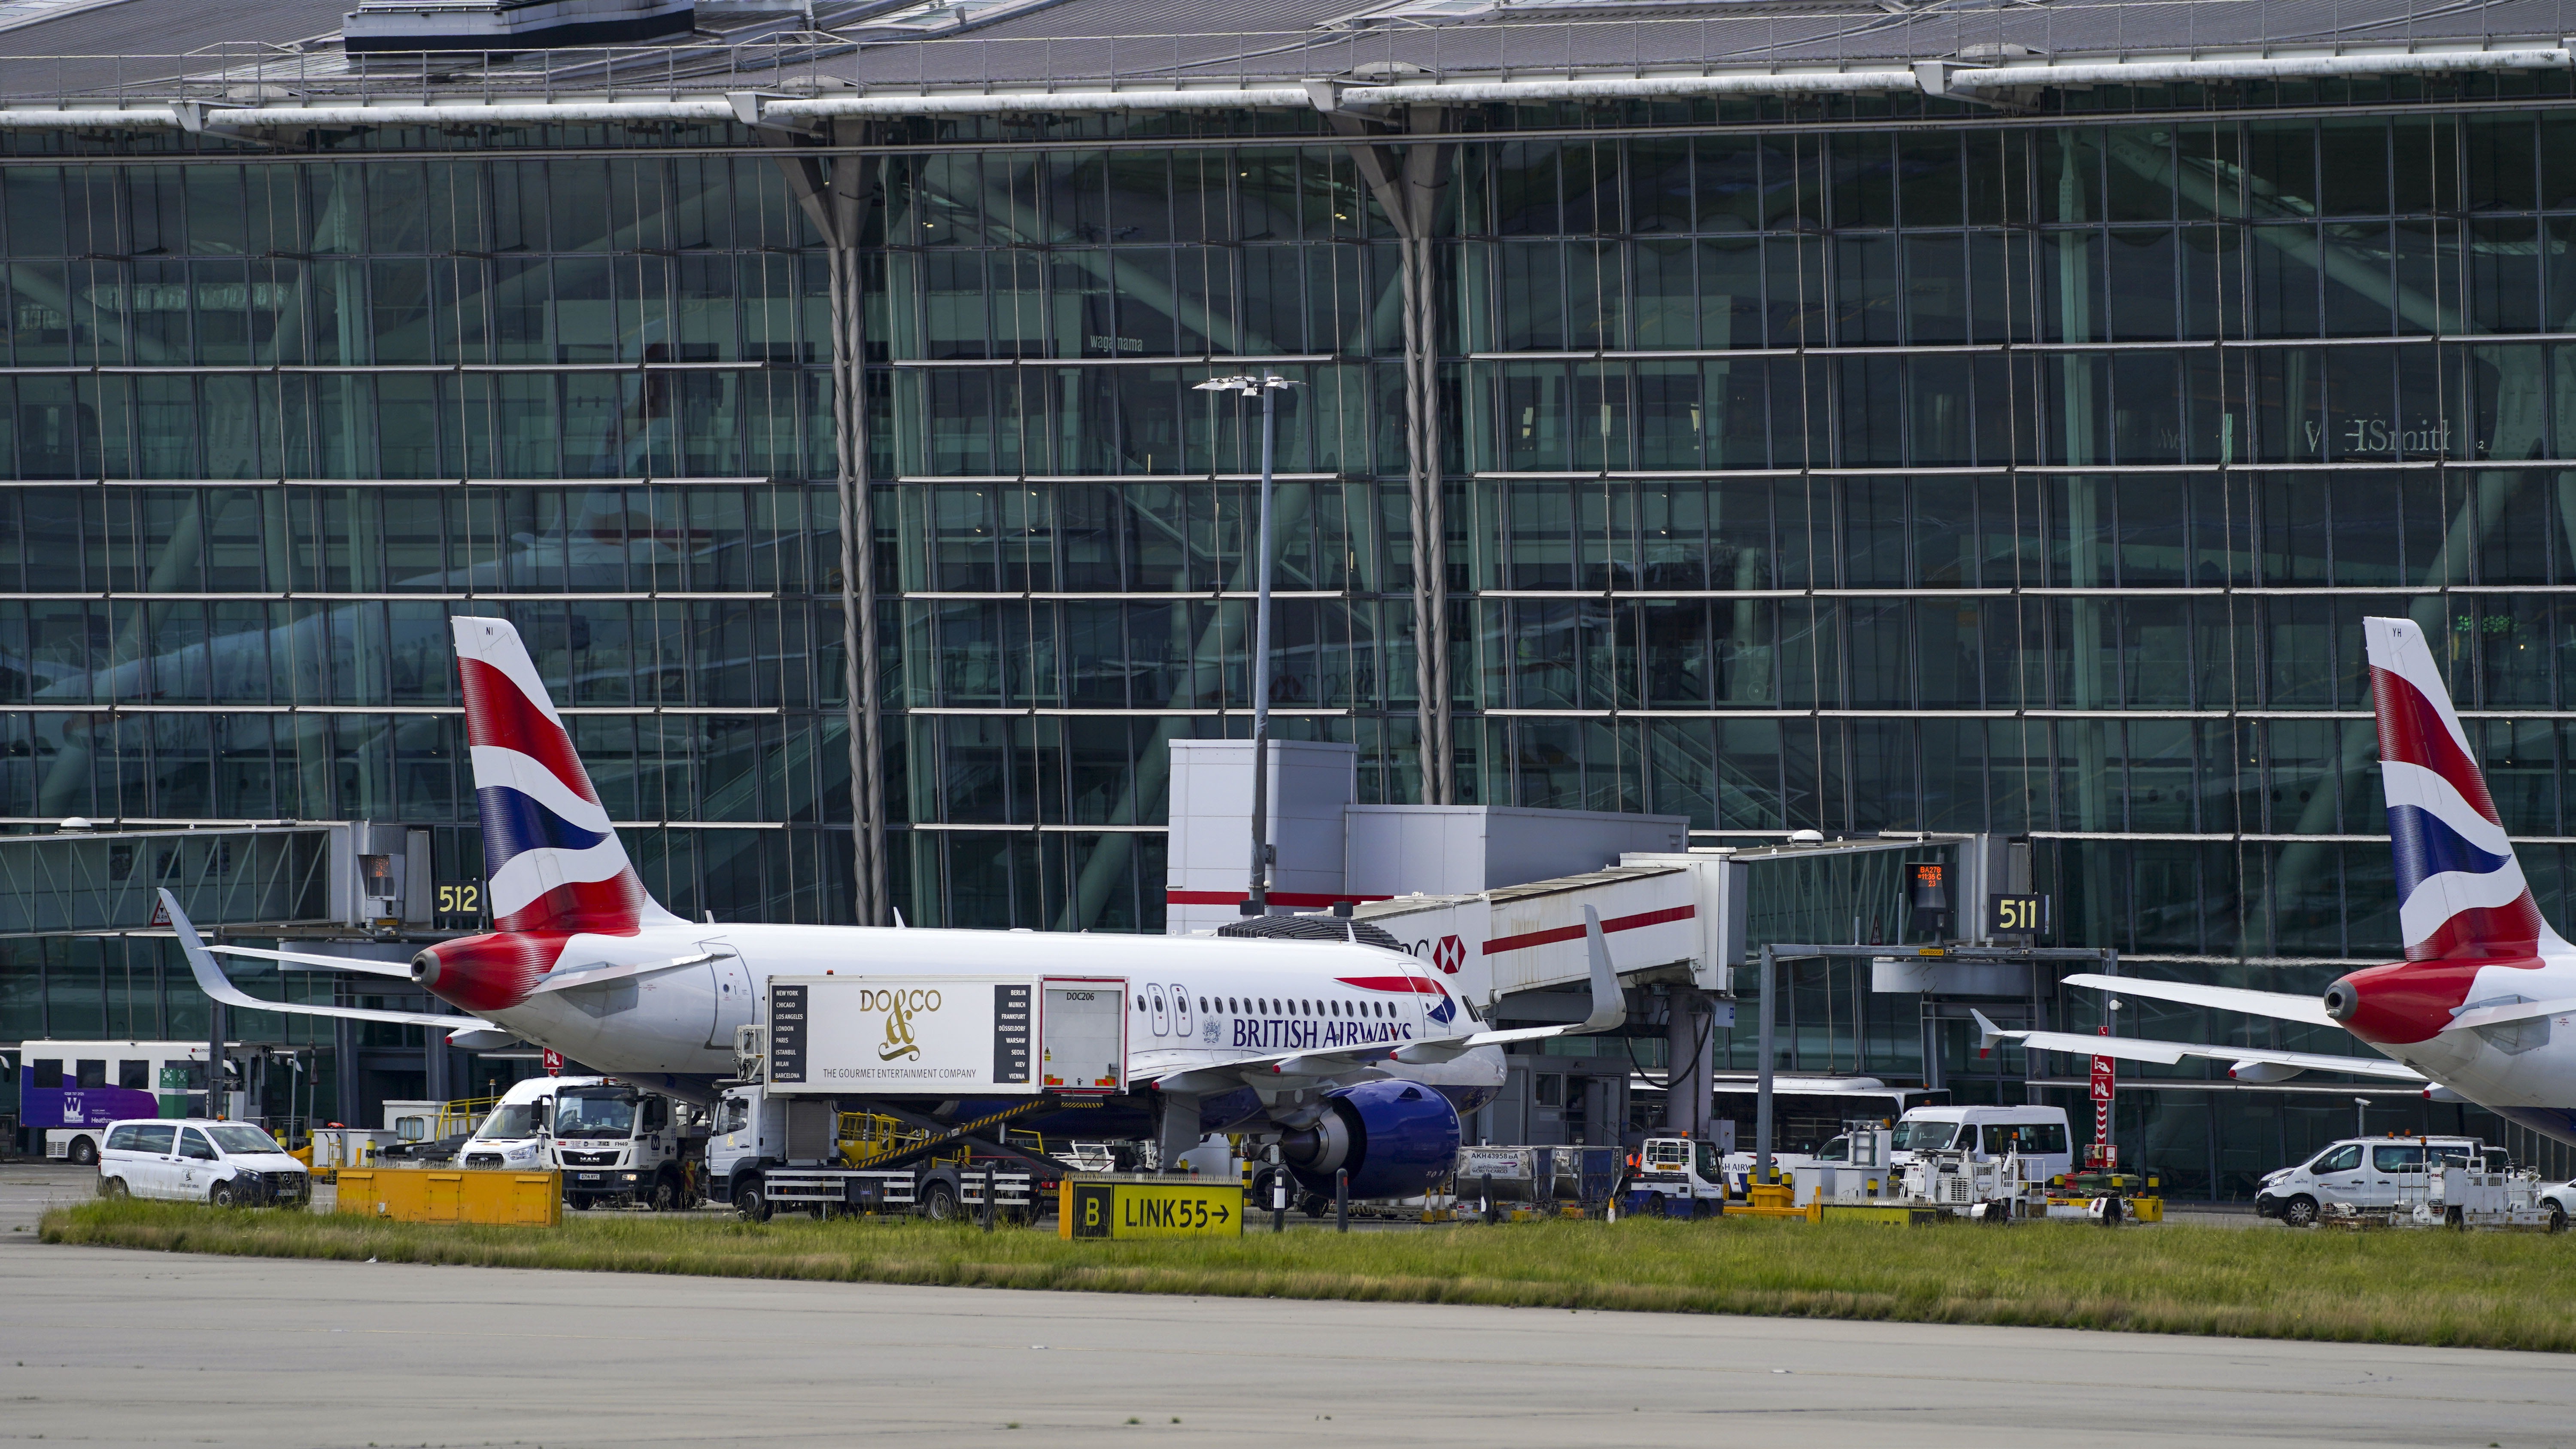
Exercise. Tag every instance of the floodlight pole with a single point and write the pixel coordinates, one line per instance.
(1256, 901)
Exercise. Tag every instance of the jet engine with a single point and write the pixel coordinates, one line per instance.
(1395, 1138)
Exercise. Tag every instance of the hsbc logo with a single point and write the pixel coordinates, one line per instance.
(1449, 955)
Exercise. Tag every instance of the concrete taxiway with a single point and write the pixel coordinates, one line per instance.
(106, 1346)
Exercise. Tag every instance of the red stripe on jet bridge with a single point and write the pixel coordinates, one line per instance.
(1277, 898)
(1575, 933)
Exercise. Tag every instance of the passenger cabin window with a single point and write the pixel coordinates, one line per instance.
(2340, 1159)
(194, 1146)
(45, 1072)
(134, 1076)
(91, 1073)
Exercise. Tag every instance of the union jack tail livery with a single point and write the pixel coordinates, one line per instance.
(2460, 892)
(551, 861)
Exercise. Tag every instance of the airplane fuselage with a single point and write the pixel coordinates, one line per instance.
(1195, 1001)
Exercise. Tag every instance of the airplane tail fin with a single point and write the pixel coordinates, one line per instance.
(551, 860)
(2460, 892)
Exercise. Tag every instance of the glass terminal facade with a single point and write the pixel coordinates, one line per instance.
(1859, 471)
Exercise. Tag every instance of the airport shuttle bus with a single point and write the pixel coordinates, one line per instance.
(71, 1090)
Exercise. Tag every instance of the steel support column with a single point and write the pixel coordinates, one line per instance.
(835, 198)
(1407, 172)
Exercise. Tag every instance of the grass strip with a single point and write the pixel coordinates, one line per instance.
(2474, 1290)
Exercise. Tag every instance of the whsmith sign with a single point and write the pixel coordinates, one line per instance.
(939, 1035)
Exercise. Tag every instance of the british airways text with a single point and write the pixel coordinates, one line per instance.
(1280, 1035)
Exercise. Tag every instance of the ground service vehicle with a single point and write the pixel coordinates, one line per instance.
(517, 1132)
(2038, 1135)
(74, 1089)
(1678, 1177)
(197, 1159)
(614, 1144)
(620, 1147)
(767, 1153)
(2365, 1174)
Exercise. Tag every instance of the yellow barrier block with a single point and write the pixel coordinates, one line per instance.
(432, 1195)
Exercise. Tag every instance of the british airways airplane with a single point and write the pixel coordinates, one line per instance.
(2486, 984)
(1347, 1055)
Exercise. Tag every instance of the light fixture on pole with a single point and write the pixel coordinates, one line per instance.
(1267, 388)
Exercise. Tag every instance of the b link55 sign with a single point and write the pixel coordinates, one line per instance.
(1112, 1209)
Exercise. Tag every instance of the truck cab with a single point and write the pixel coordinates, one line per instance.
(748, 1132)
(619, 1146)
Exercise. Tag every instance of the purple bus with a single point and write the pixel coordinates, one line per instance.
(73, 1089)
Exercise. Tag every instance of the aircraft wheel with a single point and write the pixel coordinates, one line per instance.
(2300, 1212)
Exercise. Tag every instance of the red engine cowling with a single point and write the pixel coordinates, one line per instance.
(490, 972)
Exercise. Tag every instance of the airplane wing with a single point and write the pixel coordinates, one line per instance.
(1609, 1009)
(2282, 1004)
(593, 975)
(320, 963)
(212, 981)
(2248, 1062)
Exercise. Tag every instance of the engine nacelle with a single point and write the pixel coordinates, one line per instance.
(1395, 1138)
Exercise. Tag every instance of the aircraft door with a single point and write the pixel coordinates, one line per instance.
(1161, 1009)
(732, 990)
(1181, 1012)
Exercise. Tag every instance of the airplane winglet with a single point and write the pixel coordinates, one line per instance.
(1609, 1003)
(1989, 1035)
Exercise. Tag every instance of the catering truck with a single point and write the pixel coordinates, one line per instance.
(891, 1093)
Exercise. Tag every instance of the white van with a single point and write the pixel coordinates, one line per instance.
(518, 1133)
(228, 1164)
(2366, 1172)
(1987, 1134)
